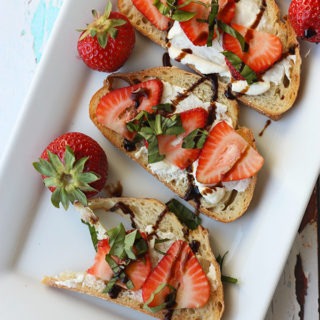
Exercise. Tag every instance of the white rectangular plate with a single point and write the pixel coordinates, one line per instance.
(38, 239)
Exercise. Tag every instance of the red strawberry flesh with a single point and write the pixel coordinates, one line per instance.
(265, 49)
(150, 11)
(181, 270)
(222, 149)
(247, 166)
(137, 270)
(119, 106)
(171, 146)
(117, 50)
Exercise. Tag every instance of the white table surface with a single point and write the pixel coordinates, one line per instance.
(25, 28)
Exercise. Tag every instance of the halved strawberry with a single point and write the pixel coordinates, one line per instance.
(180, 275)
(150, 11)
(227, 10)
(101, 268)
(197, 28)
(248, 165)
(171, 146)
(119, 106)
(222, 149)
(137, 270)
(264, 48)
(234, 72)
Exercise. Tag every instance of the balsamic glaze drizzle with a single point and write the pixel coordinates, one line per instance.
(126, 210)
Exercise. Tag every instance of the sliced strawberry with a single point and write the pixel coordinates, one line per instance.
(194, 288)
(119, 106)
(150, 11)
(101, 268)
(248, 165)
(196, 29)
(222, 149)
(234, 72)
(227, 10)
(180, 271)
(171, 146)
(138, 271)
(264, 48)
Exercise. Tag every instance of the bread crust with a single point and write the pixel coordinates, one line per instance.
(279, 98)
(147, 212)
(234, 204)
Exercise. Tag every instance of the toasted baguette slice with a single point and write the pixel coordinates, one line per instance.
(233, 204)
(279, 98)
(148, 214)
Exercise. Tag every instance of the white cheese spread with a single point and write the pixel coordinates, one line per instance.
(170, 92)
(212, 276)
(210, 59)
(205, 59)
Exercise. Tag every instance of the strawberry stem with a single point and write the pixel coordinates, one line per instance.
(68, 178)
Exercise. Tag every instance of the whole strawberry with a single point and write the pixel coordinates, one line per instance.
(304, 16)
(107, 42)
(74, 167)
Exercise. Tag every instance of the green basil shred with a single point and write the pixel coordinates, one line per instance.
(185, 216)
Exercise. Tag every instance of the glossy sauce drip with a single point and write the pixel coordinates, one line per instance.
(211, 114)
(166, 62)
(168, 315)
(185, 93)
(129, 145)
(126, 210)
(114, 292)
(256, 22)
(156, 225)
(213, 77)
(182, 54)
(250, 32)
(268, 122)
(229, 94)
(193, 192)
(194, 245)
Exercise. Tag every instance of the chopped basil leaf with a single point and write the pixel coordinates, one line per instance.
(163, 9)
(129, 243)
(141, 246)
(116, 241)
(224, 278)
(157, 241)
(110, 285)
(229, 279)
(153, 150)
(129, 284)
(180, 15)
(166, 107)
(241, 67)
(169, 9)
(234, 33)
(150, 125)
(195, 139)
(169, 301)
(93, 234)
(212, 21)
(185, 216)
(113, 265)
(161, 240)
